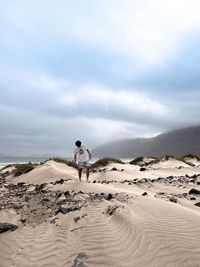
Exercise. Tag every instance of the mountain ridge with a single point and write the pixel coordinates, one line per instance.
(177, 142)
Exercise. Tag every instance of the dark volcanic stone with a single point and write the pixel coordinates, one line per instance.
(111, 210)
(4, 227)
(194, 191)
(61, 181)
(76, 219)
(66, 210)
(67, 194)
(143, 169)
(40, 186)
(144, 194)
(114, 169)
(109, 196)
(173, 199)
(197, 204)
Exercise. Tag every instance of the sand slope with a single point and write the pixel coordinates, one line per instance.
(128, 229)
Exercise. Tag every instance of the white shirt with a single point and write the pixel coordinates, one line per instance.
(81, 153)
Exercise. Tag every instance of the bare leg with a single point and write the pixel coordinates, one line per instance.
(87, 173)
(79, 173)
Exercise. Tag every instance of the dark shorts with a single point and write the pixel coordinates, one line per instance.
(83, 164)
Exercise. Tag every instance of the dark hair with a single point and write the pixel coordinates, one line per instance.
(78, 143)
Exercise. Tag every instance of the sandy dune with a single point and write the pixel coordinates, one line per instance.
(108, 222)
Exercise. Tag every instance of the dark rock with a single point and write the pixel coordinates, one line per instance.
(143, 180)
(111, 210)
(4, 227)
(144, 194)
(26, 198)
(194, 191)
(193, 198)
(20, 184)
(94, 181)
(197, 204)
(59, 195)
(67, 194)
(61, 181)
(53, 221)
(40, 186)
(173, 199)
(109, 196)
(76, 219)
(66, 210)
(143, 169)
(114, 169)
(122, 170)
(194, 176)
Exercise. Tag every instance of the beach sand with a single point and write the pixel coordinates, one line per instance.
(124, 217)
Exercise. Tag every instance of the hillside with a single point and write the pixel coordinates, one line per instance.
(177, 142)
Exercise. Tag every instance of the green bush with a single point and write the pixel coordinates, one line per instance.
(190, 156)
(105, 161)
(64, 161)
(23, 168)
(139, 159)
(136, 161)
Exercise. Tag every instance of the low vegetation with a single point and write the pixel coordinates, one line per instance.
(64, 161)
(155, 160)
(190, 156)
(105, 161)
(23, 168)
(136, 160)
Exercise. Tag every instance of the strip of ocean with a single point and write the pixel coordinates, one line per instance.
(8, 160)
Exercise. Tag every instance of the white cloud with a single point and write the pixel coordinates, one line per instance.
(122, 105)
(144, 31)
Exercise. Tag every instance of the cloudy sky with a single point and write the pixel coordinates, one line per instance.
(96, 70)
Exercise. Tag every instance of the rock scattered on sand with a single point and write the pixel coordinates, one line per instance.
(194, 191)
(197, 204)
(79, 261)
(111, 210)
(109, 197)
(64, 210)
(173, 199)
(36, 204)
(4, 227)
(114, 169)
(76, 219)
(144, 194)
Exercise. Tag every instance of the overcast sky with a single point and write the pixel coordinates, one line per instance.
(96, 70)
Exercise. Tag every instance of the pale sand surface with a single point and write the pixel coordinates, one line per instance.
(128, 229)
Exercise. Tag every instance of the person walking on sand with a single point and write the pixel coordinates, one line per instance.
(82, 155)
